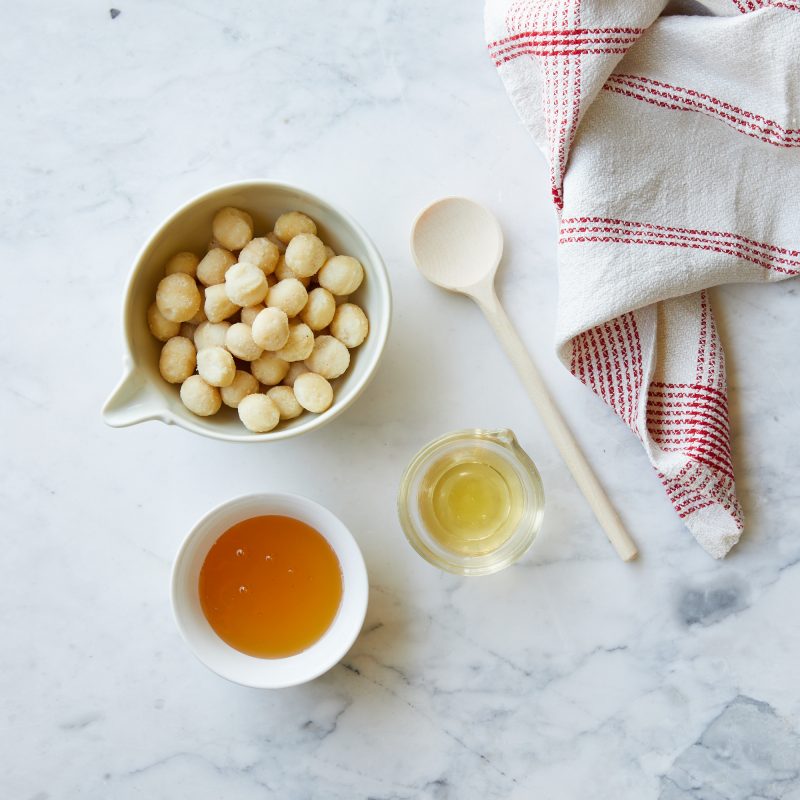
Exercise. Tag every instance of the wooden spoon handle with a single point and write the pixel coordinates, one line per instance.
(555, 424)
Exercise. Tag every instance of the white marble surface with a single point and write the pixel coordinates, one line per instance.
(572, 675)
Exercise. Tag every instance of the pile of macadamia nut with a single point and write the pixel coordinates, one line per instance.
(260, 324)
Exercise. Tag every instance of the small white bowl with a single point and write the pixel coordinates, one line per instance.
(268, 673)
(143, 394)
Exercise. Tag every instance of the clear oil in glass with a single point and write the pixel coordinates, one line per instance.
(471, 501)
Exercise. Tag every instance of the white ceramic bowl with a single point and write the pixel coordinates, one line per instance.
(268, 673)
(143, 395)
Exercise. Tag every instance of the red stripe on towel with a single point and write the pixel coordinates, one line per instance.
(598, 229)
(566, 32)
(679, 98)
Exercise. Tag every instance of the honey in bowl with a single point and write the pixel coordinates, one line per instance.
(270, 586)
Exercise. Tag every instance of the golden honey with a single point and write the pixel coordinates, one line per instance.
(270, 586)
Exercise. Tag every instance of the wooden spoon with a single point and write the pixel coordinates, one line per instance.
(457, 245)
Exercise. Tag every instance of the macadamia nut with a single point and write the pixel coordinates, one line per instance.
(319, 309)
(296, 368)
(232, 228)
(199, 397)
(289, 296)
(239, 341)
(273, 237)
(177, 361)
(293, 223)
(341, 275)
(262, 253)
(271, 329)
(200, 316)
(284, 399)
(182, 262)
(218, 305)
(216, 366)
(178, 298)
(212, 268)
(258, 413)
(305, 254)
(269, 369)
(210, 334)
(350, 325)
(250, 313)
(329, 358)
(299, 345)
(282, 272)
(243, 384)
(245, 284)
(313, 392)
(161, 327)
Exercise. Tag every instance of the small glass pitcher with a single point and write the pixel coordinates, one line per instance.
(507, 483)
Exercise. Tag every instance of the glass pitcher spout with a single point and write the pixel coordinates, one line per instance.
(505, 437)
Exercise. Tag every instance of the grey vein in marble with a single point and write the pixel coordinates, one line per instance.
(748, 751)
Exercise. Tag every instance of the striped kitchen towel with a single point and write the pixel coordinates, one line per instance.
(673, 137)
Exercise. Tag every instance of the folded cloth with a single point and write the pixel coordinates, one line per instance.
(674, 167)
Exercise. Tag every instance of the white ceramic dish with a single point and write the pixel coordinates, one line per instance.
(268, 673)
(143, 395)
